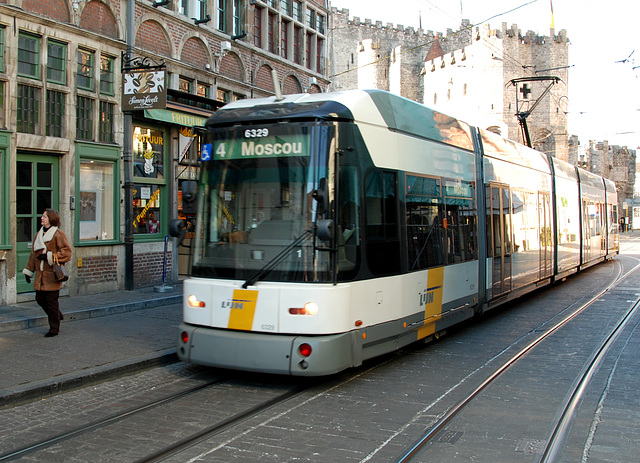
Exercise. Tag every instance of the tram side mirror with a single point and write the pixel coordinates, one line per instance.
(325, 229)
(321, 196)
(176, 226)
(178, 229)
(189, 196)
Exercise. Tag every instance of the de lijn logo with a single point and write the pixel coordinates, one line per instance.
(427, 295)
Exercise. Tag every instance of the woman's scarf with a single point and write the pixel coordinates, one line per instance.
(41, 239)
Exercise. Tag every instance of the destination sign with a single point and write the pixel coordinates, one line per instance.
(260, 142)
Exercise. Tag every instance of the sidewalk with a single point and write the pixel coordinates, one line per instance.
(139, 332)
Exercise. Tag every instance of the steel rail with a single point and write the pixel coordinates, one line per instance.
(427, 437)
(104, 422)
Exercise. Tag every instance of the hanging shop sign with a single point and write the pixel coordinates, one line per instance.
(144, 89)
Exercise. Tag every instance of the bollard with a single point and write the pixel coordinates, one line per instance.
(164, 288)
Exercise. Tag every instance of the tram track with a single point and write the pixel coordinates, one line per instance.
(95, 425)
(557, 438)
(113, 420)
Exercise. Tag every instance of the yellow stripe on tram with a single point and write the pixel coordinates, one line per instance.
(243, 309)
(432, 298)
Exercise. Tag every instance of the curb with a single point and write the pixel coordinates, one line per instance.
(25, 322)
(64, 383)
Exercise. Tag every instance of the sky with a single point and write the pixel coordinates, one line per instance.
(604, 87)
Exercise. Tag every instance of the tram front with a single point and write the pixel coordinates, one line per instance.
(266, 253)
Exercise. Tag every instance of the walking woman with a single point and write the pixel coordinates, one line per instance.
(49, 241)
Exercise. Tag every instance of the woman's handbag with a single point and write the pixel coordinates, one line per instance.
(59, 271)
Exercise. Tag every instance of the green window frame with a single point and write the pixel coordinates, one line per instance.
(97, 218)
(222, 12)
(55, 114)
(3, 119)
(86, 73)
(150, 191)
(107, 75)
(56, 62)
(29, 55)
(2, 48)
(237, 17)
(5, 219)
(106, 128)
(28, 120)
(84, 118)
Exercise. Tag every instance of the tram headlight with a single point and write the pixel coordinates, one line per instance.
(310, 308)
(193, 301)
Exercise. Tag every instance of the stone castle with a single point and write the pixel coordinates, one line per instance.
(469, 73)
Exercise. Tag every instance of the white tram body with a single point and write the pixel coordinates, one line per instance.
(333, 228)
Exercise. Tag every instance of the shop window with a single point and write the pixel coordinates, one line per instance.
(148, 153)
(95, 202)
(149, 181)
(146, 208)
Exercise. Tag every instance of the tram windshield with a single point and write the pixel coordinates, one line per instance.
(261, 197)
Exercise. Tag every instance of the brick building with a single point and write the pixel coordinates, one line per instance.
(62, 129)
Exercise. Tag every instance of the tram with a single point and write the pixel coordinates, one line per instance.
(333, 228)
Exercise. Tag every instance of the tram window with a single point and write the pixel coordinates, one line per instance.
(381, 214)
(424, 215)
(348, 222)
(460, 230)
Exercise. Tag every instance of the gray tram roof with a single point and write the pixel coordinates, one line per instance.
(375, 107)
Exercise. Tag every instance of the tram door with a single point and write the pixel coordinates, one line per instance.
(36, 189)
(546, 235)
(500, 239)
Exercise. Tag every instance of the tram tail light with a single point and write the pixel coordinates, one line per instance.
(304, 349)
(310, 308)
(184, 337)
(194, 302)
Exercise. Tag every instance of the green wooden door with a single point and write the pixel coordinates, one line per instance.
(36, 189)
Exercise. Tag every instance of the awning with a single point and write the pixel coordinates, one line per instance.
(175, 117)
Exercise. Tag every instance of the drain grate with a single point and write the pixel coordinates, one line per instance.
(450, 437)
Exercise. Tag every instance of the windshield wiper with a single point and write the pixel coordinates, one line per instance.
(278, 259)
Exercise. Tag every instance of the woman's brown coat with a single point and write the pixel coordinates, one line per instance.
(53, 242)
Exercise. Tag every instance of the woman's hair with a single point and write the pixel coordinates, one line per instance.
(54, 217)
